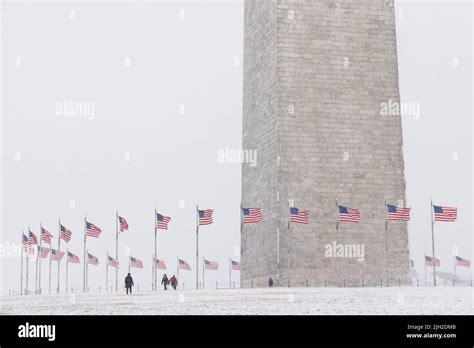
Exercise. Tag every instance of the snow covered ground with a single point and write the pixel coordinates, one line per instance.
(299, 301)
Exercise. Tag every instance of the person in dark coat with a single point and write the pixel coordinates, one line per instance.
(174, 282)
(165, 281)
(129, 283)
(270, 282)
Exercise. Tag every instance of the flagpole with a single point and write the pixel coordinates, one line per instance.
(59, 253)
(289, 247)
(203, 269)
(386, 242)
(38, 247)
(197, 246)
(85, 262)
(154, 268)
(454, 259)
(433, 244)
(338, 216)
(107, 271)
(152, 271)
(241, 219)
(39, 265)
(49, 282)
(21, 254)
(425, 269)
(36, 271)
(241, 231)
(116, 251)
(230, 273)
(28, 261)
(67, 268)
(87, 271)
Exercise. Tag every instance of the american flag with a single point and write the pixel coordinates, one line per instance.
(252, 215)
(65, 234)
(123, 224)
(43, 252)
(162, 221)
(160, 264)
(211, 266)
(56, 255)
(111, 261)
(205, 216)
(462, 262)
(298, 216)
(92, 260)
(183, 265)
(71, 258)
(429, 261)
(92, 230)
(32, 239)
(348, 214)
(135, 263)
(446, 214)
(235, 265)
(398, 214)
(25, 242)
(46, 236)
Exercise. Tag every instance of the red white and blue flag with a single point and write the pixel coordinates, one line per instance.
(123, 224)
(235, 265)
(43, 252)
(462, 262)
(25, 242)
(398, 214)
(183, 265)
(205, 216)
(348, 214)
(210, 265)
(299, 216)
(160, 264)
(430, 262)
(135, 263)
(65, 234)
(111, 261)
(46, 236)
(92, 230)
(252, 215)
(92, 260)
(162, 221)
(445, 214)
(56, 255)
(32, 239)
(71, 258)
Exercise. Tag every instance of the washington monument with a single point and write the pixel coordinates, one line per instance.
(316, 76)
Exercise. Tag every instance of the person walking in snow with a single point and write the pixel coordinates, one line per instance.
(270, 282)
(174, 282)
(128, 283)
(165, 281)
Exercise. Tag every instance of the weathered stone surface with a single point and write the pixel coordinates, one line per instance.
(315, 76)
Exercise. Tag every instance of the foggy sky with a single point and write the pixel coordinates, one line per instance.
(165, 82)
